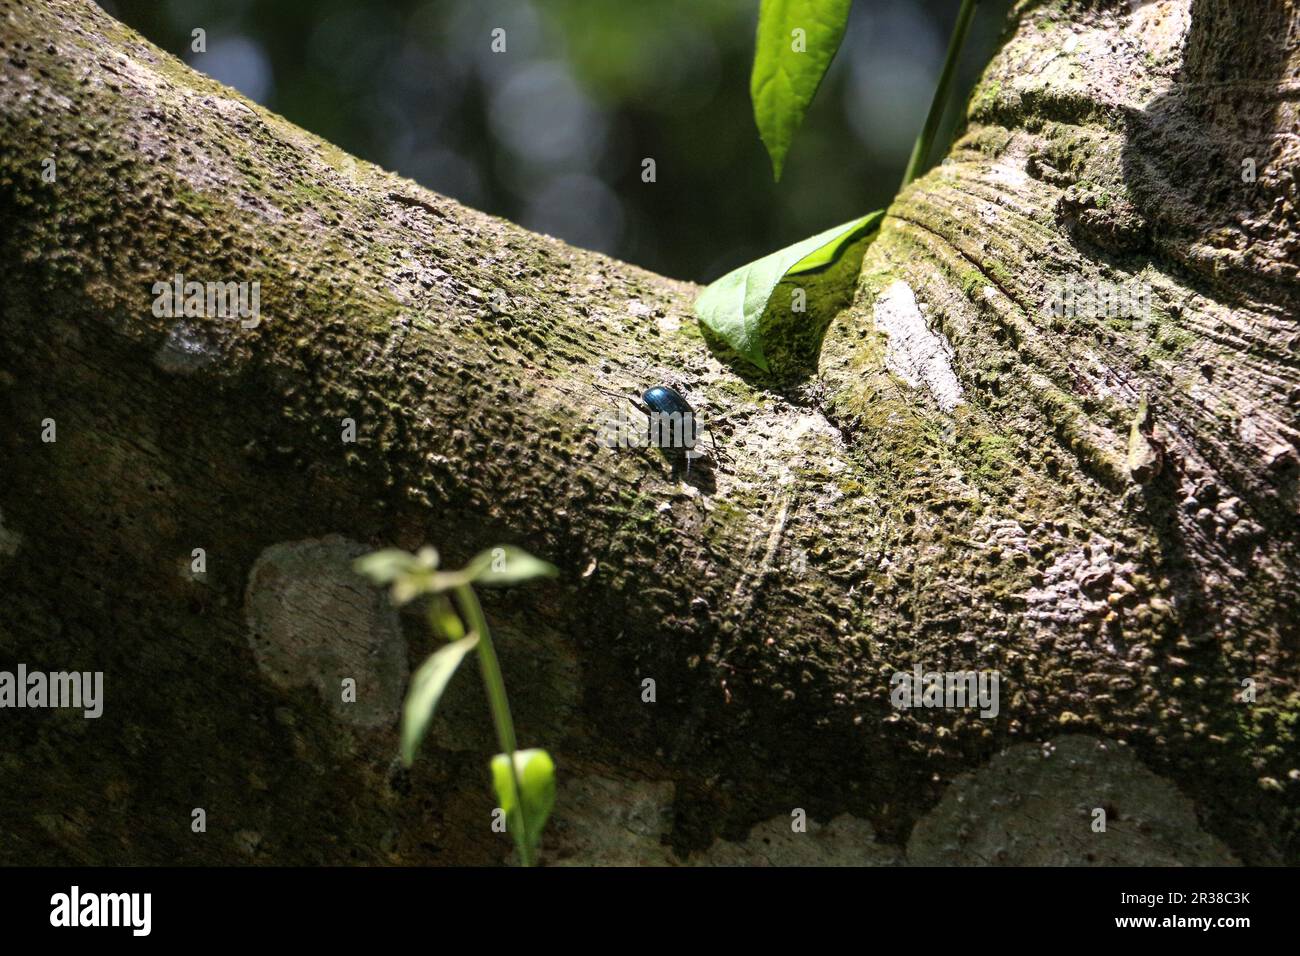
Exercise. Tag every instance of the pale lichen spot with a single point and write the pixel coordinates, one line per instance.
(10, 540)
(312, 621)
(610, 821)
(1032, 804)
(1159, 25)
(917, 355)
(1009, 172)
(185, 350)
(844, 841)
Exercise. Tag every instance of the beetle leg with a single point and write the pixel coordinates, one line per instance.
(624, 397)
(717, 449)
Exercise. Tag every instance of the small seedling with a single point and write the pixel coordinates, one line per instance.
(524, 780)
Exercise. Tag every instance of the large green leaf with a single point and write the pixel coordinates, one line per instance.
(536, 772)
(732, 306)
(789, 66)
(426, 689)
(827, 253)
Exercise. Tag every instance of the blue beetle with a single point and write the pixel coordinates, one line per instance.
(673, 423)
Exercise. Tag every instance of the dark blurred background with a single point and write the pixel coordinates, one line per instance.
(552, 133)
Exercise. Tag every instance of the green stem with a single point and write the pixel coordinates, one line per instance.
(467, 601)
(921, 151)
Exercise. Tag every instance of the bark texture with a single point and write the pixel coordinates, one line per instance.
(1102, 509)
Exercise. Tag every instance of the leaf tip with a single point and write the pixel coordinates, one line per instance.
(778, 165)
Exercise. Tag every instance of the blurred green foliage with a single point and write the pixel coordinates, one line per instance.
(552, 133)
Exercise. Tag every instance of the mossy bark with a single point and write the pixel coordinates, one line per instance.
(1105, 513)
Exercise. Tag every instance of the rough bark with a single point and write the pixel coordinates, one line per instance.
(954, 477)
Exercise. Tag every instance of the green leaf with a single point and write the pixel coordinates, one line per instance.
(789, 66)
(828, 253)
(536, 773)
(444, 620)
(410, 586)
(506, 565)
(384, 567)
(409, 574)
(426, 689)
(732, 306)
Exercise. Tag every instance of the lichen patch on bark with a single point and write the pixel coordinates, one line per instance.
(186, 349)
(916, 354)
(605, 821)
(312, 621)
(1037, 805)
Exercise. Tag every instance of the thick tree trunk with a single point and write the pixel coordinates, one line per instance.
(964, 481)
